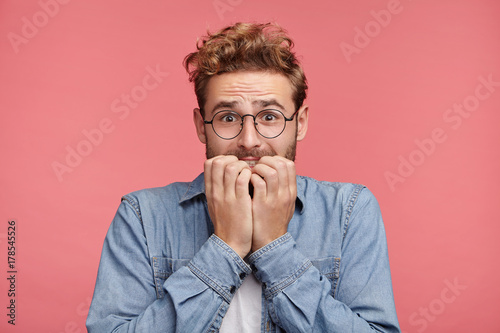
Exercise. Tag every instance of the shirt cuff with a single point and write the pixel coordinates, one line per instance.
(278, 264)
(220, 267)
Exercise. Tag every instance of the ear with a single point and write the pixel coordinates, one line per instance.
(302, 122)
(200, 125)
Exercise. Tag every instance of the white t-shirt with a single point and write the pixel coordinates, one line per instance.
(244, 313)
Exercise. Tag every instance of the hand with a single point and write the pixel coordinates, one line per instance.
(228, 200)
(273, 203)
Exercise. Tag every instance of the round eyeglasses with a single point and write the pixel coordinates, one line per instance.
(269, 123)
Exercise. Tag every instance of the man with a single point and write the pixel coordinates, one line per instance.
(248, 246)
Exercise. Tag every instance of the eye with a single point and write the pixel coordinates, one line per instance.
(269, 116)
(227, 117)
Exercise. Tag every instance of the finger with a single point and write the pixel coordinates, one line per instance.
(292, 176)
(259, 187)
(242, 182)
(207, 169)
(232, 171)
(270, 177)
(217, 168)
(290, 179)
(275, 172)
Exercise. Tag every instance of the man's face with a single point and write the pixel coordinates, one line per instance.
(248, 92)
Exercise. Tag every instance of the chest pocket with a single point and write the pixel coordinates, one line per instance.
(164, 267)
(329, 268)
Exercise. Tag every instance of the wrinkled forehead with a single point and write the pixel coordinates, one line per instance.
(249, 91)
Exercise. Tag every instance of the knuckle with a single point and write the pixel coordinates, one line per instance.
(281, 165)
(214, 201)
(241, 181)
(273, 174)
(260, 186)
(217, 162)
(257, 181)
(231, 169)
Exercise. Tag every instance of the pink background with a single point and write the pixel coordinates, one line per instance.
(378, 92)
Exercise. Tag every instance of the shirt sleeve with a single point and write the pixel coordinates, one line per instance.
(196, 296)
(298, 296)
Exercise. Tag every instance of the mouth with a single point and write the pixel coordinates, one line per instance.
(251, 161)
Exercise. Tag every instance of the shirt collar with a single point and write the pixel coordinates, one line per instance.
(197, 187)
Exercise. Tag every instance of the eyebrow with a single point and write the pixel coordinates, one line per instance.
(225, 105)
(262, 103)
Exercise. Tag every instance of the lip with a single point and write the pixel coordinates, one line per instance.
(250, 160)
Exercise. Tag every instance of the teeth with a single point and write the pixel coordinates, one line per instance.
(251, 163)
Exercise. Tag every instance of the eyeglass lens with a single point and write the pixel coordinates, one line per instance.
(228, 124)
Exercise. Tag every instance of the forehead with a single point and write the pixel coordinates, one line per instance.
(249, 90)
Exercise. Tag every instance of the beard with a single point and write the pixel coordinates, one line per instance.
(241, 153)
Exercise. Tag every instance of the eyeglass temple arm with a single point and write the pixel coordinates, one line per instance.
(201, 114)
(291, 117)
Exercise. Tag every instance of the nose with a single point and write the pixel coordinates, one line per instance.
(249, 137)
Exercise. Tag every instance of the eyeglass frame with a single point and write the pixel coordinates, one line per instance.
(211, 122)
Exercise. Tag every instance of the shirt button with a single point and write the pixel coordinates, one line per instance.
(232, 290)
(252, 266)
(242, 276)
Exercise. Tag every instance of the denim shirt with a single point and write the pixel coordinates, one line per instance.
(163, 270)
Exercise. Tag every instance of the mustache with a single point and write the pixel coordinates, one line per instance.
(251, 153)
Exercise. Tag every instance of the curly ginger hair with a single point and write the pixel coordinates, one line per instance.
(245, 46)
